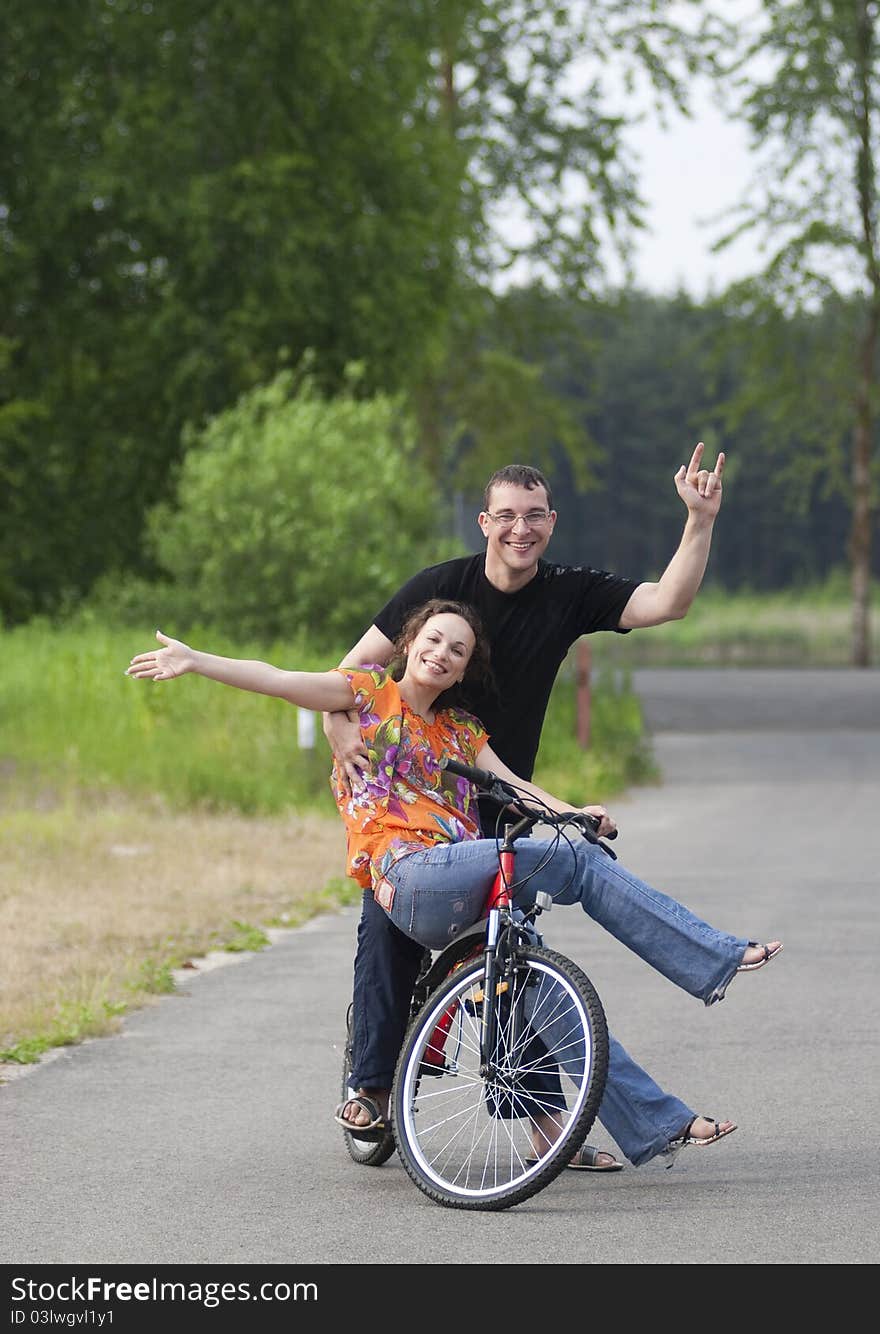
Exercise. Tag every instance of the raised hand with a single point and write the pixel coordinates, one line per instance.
(700, 489)
(162, 664)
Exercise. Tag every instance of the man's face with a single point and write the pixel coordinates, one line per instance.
(517, 526)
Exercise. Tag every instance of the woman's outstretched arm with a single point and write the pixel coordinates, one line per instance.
(310, 690)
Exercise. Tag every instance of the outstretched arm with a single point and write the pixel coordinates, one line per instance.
(670, 598)
(487, 759)
(310, 690)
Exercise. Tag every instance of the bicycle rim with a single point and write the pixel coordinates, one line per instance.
(464, 1136)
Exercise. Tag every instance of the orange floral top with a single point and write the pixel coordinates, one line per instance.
(406, 803)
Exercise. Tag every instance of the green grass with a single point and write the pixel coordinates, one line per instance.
(197, 744)
(619, 752)
(808, 627)
(192, 742)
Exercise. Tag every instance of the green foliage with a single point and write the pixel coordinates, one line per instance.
(246, 938)
(91, 726)
(619, 751)
(187, 193)
(297, 515)
(805, 626)
(192, 195)
(196, 744)
(72, 1023)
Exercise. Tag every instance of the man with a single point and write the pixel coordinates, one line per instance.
(532, 612)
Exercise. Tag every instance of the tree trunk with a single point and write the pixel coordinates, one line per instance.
(860, 533)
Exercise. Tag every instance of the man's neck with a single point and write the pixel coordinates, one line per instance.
(500, 576)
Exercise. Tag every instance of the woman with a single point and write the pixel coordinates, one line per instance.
(414, 838)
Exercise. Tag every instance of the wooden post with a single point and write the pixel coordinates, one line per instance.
(584, 658)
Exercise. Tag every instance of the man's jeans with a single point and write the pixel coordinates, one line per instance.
(440, 891)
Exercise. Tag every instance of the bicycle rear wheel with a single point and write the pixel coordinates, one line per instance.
(371, 1152)
(464, 1135)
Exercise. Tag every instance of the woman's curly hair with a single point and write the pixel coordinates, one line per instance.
(478, 672)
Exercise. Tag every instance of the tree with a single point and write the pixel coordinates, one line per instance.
(539, 97)
(295, 512)
(189, 192)
(809, 88)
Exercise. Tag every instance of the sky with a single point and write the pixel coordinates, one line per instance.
(696, 168)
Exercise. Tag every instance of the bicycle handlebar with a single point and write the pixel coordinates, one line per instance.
(496, 787)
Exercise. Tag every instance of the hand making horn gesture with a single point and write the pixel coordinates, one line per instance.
(700, 489)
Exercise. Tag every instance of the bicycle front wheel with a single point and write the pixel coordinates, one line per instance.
(464, 1125)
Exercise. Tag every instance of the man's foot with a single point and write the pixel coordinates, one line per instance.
(590, 1159)
(757, 955)
(547, 1128)
(365, 1110)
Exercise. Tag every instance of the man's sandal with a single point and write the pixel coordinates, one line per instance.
(587, 1160)
(376, 1128)
(765, 958)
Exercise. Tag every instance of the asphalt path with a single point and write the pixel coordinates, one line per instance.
(203, 1133)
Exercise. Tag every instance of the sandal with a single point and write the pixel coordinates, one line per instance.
(586, 1160)
(721, 1129)
(376, 1128)
(770, 952)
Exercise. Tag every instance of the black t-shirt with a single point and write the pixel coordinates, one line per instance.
(530, 632)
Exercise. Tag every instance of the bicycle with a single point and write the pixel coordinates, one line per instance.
(471, 1075)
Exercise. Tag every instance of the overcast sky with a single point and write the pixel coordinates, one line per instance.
(695, 169)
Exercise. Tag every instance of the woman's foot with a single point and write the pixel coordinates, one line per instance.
(365, 1110)
(756, 955)
(702, 1130)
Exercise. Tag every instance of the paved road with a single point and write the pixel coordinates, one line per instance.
(203, 1133)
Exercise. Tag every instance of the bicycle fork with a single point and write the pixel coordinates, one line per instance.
(493, 983)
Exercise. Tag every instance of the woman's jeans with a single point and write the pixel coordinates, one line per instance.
(439, 892)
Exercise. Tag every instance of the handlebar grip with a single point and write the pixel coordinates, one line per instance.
(481, 777)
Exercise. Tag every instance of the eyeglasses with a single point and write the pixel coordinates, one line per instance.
(507, 519)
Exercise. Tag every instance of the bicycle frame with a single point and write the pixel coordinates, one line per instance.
(498, 904)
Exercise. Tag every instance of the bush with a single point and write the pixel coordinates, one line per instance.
(297, 515)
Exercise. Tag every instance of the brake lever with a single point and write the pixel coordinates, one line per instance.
(588, 826)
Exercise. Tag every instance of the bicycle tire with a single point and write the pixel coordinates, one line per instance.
(464, 1140)
(364, 1152)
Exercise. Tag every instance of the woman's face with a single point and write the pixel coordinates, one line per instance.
(440, 652)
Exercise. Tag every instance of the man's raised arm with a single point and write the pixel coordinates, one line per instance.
(670, 598)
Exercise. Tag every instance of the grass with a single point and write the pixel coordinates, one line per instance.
(808, 627)
(142, 826)
(104, 896)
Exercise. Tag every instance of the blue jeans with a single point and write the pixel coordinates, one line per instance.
(442, 890)
(640, 1117)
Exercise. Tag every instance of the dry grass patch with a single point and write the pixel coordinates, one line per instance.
(100, 898)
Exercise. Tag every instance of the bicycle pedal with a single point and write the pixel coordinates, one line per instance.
(543, 900)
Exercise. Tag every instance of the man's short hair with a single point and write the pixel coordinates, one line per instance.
(517, 474)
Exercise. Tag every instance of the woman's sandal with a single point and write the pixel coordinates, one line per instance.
(700, 1140)
(765, 957)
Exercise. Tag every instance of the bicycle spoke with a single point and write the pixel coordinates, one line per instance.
(465, 1132)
